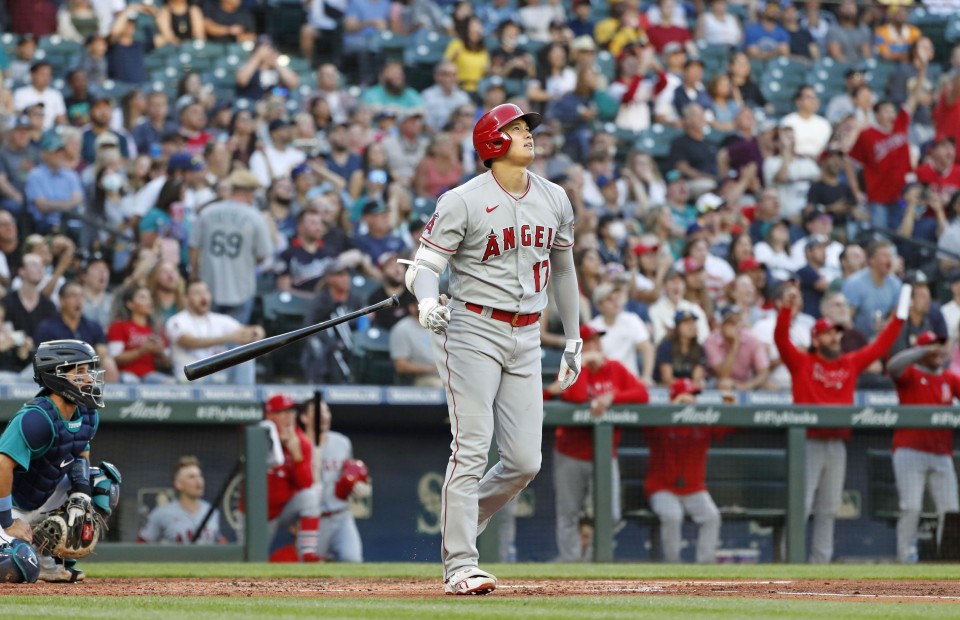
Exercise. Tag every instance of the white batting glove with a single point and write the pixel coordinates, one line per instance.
(434, 316)
(570, 363)
(903, 304)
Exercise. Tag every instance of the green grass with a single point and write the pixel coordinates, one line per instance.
(493, 608)
(533, 571)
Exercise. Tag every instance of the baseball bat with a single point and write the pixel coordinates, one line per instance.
(245, 353)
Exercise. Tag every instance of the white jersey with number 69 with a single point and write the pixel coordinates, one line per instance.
(499, 244)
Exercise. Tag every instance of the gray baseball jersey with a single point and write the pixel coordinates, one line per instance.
(334, 452)
(499, 244)
(232, 237)
(171, 523)
(338, 537)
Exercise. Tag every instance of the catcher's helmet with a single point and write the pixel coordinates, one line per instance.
(488, 140)
(55, 358)
(683, 386)
(279, 402)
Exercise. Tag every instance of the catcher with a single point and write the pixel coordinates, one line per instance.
(49, 493)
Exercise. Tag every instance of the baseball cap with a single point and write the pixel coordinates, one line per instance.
(583, 43)
(917, 277)
(691, 265)
(814, 240)
(278, 123)
(603, 180)
(409, 113)
(298, 170)
(334, 266)
(588, 331)
(26, 38)
(749, 264)
(930, 337)
(729, 312)
(51, 141)
(709, 202)
(645, 248)
(814, 213)
(107, 138)
(693, 229)
(672, 273)
(823, 325)
(603, 290)
(682, 315)
(243, 179)
(683, 386)
(672, 48)
(374, 206)
(185, 162)
(22, 122)
(673, 175)
(385, 258)
(693, 60)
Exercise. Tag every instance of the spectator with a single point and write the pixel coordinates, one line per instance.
(70, 324)
(79, 102)
(134, 342)
(342, 161)
(884, 153)
(509, 60)
(101, 113)
(363, 20)
(740, 72)
(17, 159)
(51, 188)
(444, 96)
(38, 18)
(93, 60)
(679, 355)
(774, 252)
(852, 259)
(893, 39)
(676, 481)
(767, 39)
(575, 111)
(800, 326)
(40, 91)
(802, 44)
(951, 309)
(303, 262)
(830, 197)
(10, 249)
(580, 24)
(667, 30)
(196, 332)
(411, 351)
(77, 20)
(842, 104)
(725, 103)
(292, 498)
(126, 55)
(23, 60)
(735, 358)
(27, 306)
(717, 26)
(692, 155)
(97, 300)
(392, 91)
(440, 168)
(321, 37)
(663, 311)
(602, 383)
(624, 334)
(277, 159)
(691, 90)
(811, 131)
(380, 237)
(180, 21)
(264, 73)
(791, 173)
(634, 92)
(227, 21)
(923, 315)
(468, 52)
(669, 80)
(554, 77)
(167, 290)
(536, 16)
(178, 521)
(849, 41)
(812, 278)
(150, 130)
(917, 202)
(872, 292)
(326, 358)
(407, 147)
(821, 377)
(163, 228)
(818, 222)
(16, 349)
(923, 458)
(193, 124)
(341, 479)
(392, 283)
(907, 70)
(227, 241)
(940, 172)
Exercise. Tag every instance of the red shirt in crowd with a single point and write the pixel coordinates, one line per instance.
(577, 441)
(946, 116)
(133, 335)
(916, 387)
(821, 381)
(946, 184)
(678, 458)
(286, 480)
(885, 158)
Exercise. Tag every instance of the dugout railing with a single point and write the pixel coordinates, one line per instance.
(404, 431)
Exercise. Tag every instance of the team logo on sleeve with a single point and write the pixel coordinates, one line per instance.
(428, 229)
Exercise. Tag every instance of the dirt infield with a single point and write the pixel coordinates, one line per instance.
(809, 589)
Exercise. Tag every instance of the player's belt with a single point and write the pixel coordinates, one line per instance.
(514, 318)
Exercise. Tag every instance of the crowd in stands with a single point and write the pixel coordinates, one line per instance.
(165, 166)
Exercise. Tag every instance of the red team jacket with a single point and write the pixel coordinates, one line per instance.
(577, 441)
(819, 381)
(916, 387)
(678, 458)
(285, 481)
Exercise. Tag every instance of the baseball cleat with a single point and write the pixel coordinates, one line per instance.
(52, 570)
(470, 580)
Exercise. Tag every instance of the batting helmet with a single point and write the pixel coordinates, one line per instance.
(683, 386)
(279, 402)
(353, 471)
(488, 140)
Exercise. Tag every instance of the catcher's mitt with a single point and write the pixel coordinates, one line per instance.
(53, 536)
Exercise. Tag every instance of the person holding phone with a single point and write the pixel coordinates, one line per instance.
(263, 73)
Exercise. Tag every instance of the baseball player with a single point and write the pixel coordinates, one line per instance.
(177, 521)
(676, 480)
(602, 383)
(339, 477)
(506, 234)
(291, 497)
(923, 458)
(48, 492)
(825, 377)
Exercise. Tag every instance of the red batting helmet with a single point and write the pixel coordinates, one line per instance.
(279, 402)
(488, 140)
(353, 471)
(683, 386)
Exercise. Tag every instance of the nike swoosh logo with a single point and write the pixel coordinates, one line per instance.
(490, 209)
(66, 462)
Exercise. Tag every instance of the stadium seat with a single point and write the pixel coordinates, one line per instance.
(363, 286)
(393, 45)
(283, 312)
(656, 141)
(370, 359)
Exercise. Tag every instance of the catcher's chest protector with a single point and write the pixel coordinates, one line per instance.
(32, 487)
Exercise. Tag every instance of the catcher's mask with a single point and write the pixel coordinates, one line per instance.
(70, 368)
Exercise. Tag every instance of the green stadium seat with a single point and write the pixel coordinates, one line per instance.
(370, 360)
(283, 312)
(607, 65)
(363, 286)
(393, 45)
